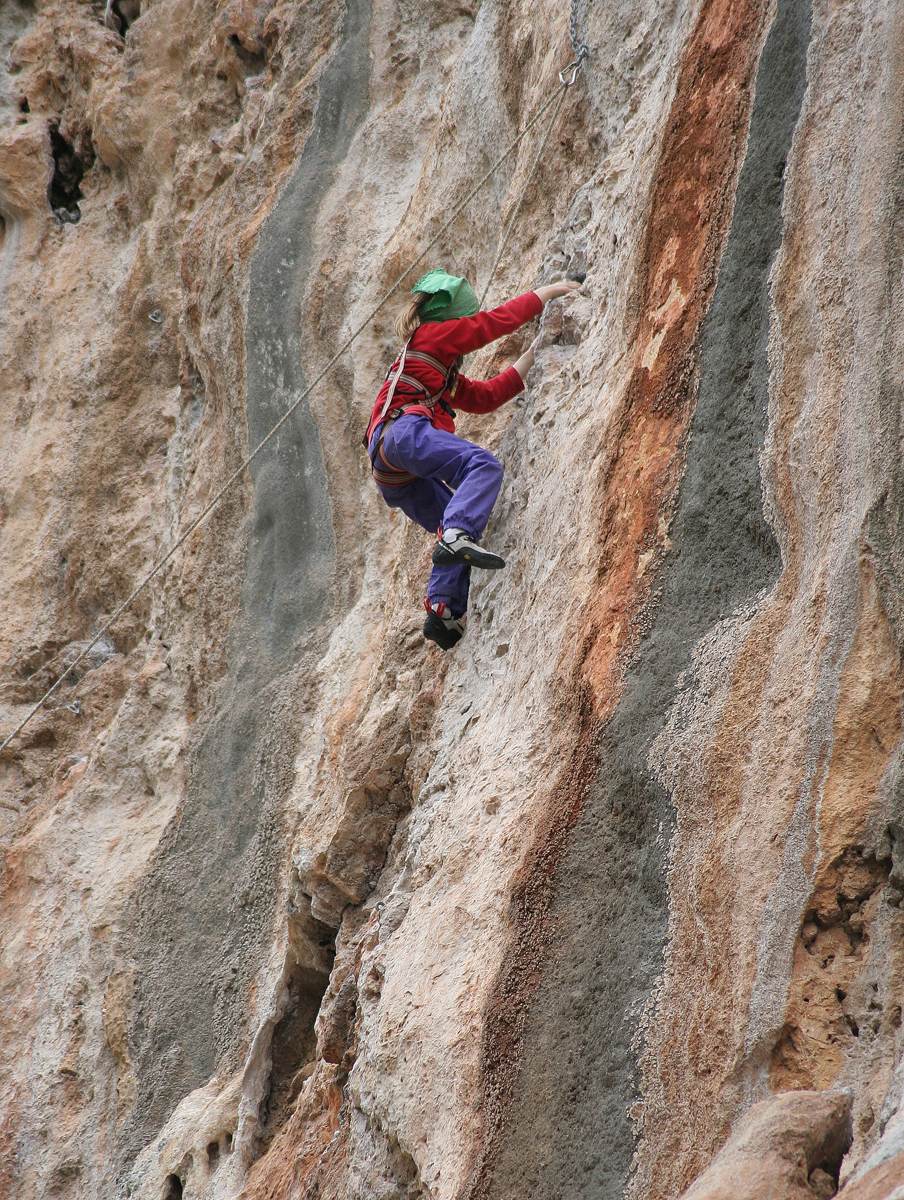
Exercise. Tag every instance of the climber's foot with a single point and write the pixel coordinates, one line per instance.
(455, 546)
(441, 627)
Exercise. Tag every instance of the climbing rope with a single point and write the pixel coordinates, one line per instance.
(511, 225)
(581, 50)
(557, 98)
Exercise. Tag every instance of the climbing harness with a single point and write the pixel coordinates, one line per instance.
(430, 400)
(556, 99)
(386, 474)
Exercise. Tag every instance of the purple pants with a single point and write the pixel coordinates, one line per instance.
(457, 487)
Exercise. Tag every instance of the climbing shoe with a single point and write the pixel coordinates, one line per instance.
(441, 627)
(456, 546)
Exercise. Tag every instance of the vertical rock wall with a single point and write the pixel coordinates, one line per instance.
(604, 902)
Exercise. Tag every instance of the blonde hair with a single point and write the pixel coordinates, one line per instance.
(409, 317)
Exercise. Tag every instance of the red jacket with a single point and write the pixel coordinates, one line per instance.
(445, 341)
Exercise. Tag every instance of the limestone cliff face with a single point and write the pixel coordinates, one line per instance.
(606, 901)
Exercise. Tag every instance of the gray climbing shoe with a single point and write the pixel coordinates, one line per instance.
(456, 546)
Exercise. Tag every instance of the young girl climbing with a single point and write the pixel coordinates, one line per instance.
(437, 479)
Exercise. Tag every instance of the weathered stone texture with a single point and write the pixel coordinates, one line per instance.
(607, 901)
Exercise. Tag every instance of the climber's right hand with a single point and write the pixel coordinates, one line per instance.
(549, 291)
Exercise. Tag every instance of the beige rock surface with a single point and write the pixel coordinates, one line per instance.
(602, 903)
(788, 1146)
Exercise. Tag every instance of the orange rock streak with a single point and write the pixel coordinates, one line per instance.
(690, 212)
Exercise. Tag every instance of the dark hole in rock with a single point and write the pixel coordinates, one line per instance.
(213, 1155)
(43, 739)
(227, 1142)
(2, 232)
(65, 189)
(253, 61)
(294, 1045)
(172, 1189)
(23, 105)
(120, 14)
(852, 1024)
(404, 1168)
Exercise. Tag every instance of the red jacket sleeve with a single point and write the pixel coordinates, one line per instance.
(465, 334)
(474, 397)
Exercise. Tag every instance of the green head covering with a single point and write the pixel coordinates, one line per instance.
(450, 297)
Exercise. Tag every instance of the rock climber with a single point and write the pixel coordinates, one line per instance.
(439, 480)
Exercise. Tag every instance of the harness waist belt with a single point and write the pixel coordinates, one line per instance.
(383, 470)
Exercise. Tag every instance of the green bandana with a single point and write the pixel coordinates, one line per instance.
(450, 297)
